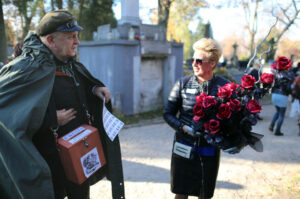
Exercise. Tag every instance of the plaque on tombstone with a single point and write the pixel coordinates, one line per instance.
(103, 31)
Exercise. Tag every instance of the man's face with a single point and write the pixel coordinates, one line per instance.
(64, 44)
(201, 65)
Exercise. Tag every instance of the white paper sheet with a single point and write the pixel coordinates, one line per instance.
(112, 125)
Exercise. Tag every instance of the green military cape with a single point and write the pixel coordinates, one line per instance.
(25, 87)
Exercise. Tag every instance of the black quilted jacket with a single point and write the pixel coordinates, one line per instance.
(182, 99)
(283, 82)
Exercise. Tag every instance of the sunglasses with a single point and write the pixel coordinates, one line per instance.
(199, 61)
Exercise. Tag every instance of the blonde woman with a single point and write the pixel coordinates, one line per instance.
(195, 163)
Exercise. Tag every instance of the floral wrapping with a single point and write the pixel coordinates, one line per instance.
(226, 121)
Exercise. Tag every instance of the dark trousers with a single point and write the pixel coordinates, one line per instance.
(62, 186)
(279, 117)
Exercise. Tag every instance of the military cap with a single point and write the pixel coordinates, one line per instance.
(59, 20)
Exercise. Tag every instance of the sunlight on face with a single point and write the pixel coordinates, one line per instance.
(65, 44)
(202, 69)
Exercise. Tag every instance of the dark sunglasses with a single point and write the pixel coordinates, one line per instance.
(199, 61)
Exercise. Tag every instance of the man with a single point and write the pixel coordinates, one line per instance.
(43, 89)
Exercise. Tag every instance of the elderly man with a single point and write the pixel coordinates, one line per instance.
(45, 89)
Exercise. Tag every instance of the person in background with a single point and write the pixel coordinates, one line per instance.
(256, 73)
(43, 92)
(296, 95)
(18, 49)
(197, 174)
(280, 92)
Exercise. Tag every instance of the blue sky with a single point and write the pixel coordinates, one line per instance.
(225, 22)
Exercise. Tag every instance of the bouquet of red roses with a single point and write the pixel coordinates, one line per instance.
(226, 121)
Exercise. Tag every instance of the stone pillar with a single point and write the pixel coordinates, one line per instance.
(130, 12)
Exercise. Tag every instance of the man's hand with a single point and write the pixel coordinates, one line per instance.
(102, 92)
(64, 116)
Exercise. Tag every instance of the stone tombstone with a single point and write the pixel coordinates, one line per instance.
(123, 30)
(235, 59)
(151, 84)
(130, 12)
(103, 32)
(152, 32)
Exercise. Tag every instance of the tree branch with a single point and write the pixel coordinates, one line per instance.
(255, 51)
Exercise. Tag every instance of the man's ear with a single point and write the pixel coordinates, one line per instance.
(50, 41)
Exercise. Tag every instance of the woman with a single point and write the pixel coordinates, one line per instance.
(280, 92)
(194, 173)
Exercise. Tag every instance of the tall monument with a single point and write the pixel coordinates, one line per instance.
(130, 12)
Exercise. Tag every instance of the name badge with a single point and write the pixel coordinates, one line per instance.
(191, 91)
(182, 150)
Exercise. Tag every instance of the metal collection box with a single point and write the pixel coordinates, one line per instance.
(81, 153)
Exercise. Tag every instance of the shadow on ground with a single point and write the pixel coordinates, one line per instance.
(159, 175)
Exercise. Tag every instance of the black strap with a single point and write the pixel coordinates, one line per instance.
(79, 88)
(53, 117)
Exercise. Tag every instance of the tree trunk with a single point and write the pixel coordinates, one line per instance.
(52, 5)
(253, 30)
(163, 13)
(81, 4)
(59, 4)
(26, 27)
(3, 44)
(70, 5)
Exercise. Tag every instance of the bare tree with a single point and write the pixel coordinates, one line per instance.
(287, 14)
(251, 18)
(27, 9)
(163, 12)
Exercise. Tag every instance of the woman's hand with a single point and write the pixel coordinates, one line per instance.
(188, 130)
(64, 116)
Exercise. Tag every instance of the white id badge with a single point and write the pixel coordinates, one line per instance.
(182, 150)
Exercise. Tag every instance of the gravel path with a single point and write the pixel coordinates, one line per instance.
(273, 174)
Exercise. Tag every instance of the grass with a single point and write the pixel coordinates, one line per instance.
(289, 187)
(293, 184)
(136, 118)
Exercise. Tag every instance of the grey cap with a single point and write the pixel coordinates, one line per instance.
(59, 20)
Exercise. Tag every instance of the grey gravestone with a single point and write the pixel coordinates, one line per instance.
(103, 31)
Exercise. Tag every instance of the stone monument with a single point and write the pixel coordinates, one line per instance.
(130, 12)
(134, 60)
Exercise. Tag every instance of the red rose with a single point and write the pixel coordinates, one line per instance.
(235, 105)
(253, 106)
(198, 110)
(224, 111)
(267, 78)
(224, 92)
(233, 86)
(248, 81)
(213, 126)
(208, 101)
(200, 97)
(282, 63)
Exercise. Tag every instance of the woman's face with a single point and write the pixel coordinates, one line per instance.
(201, 65)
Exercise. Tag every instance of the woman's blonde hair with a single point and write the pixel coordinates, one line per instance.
(211, 48)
